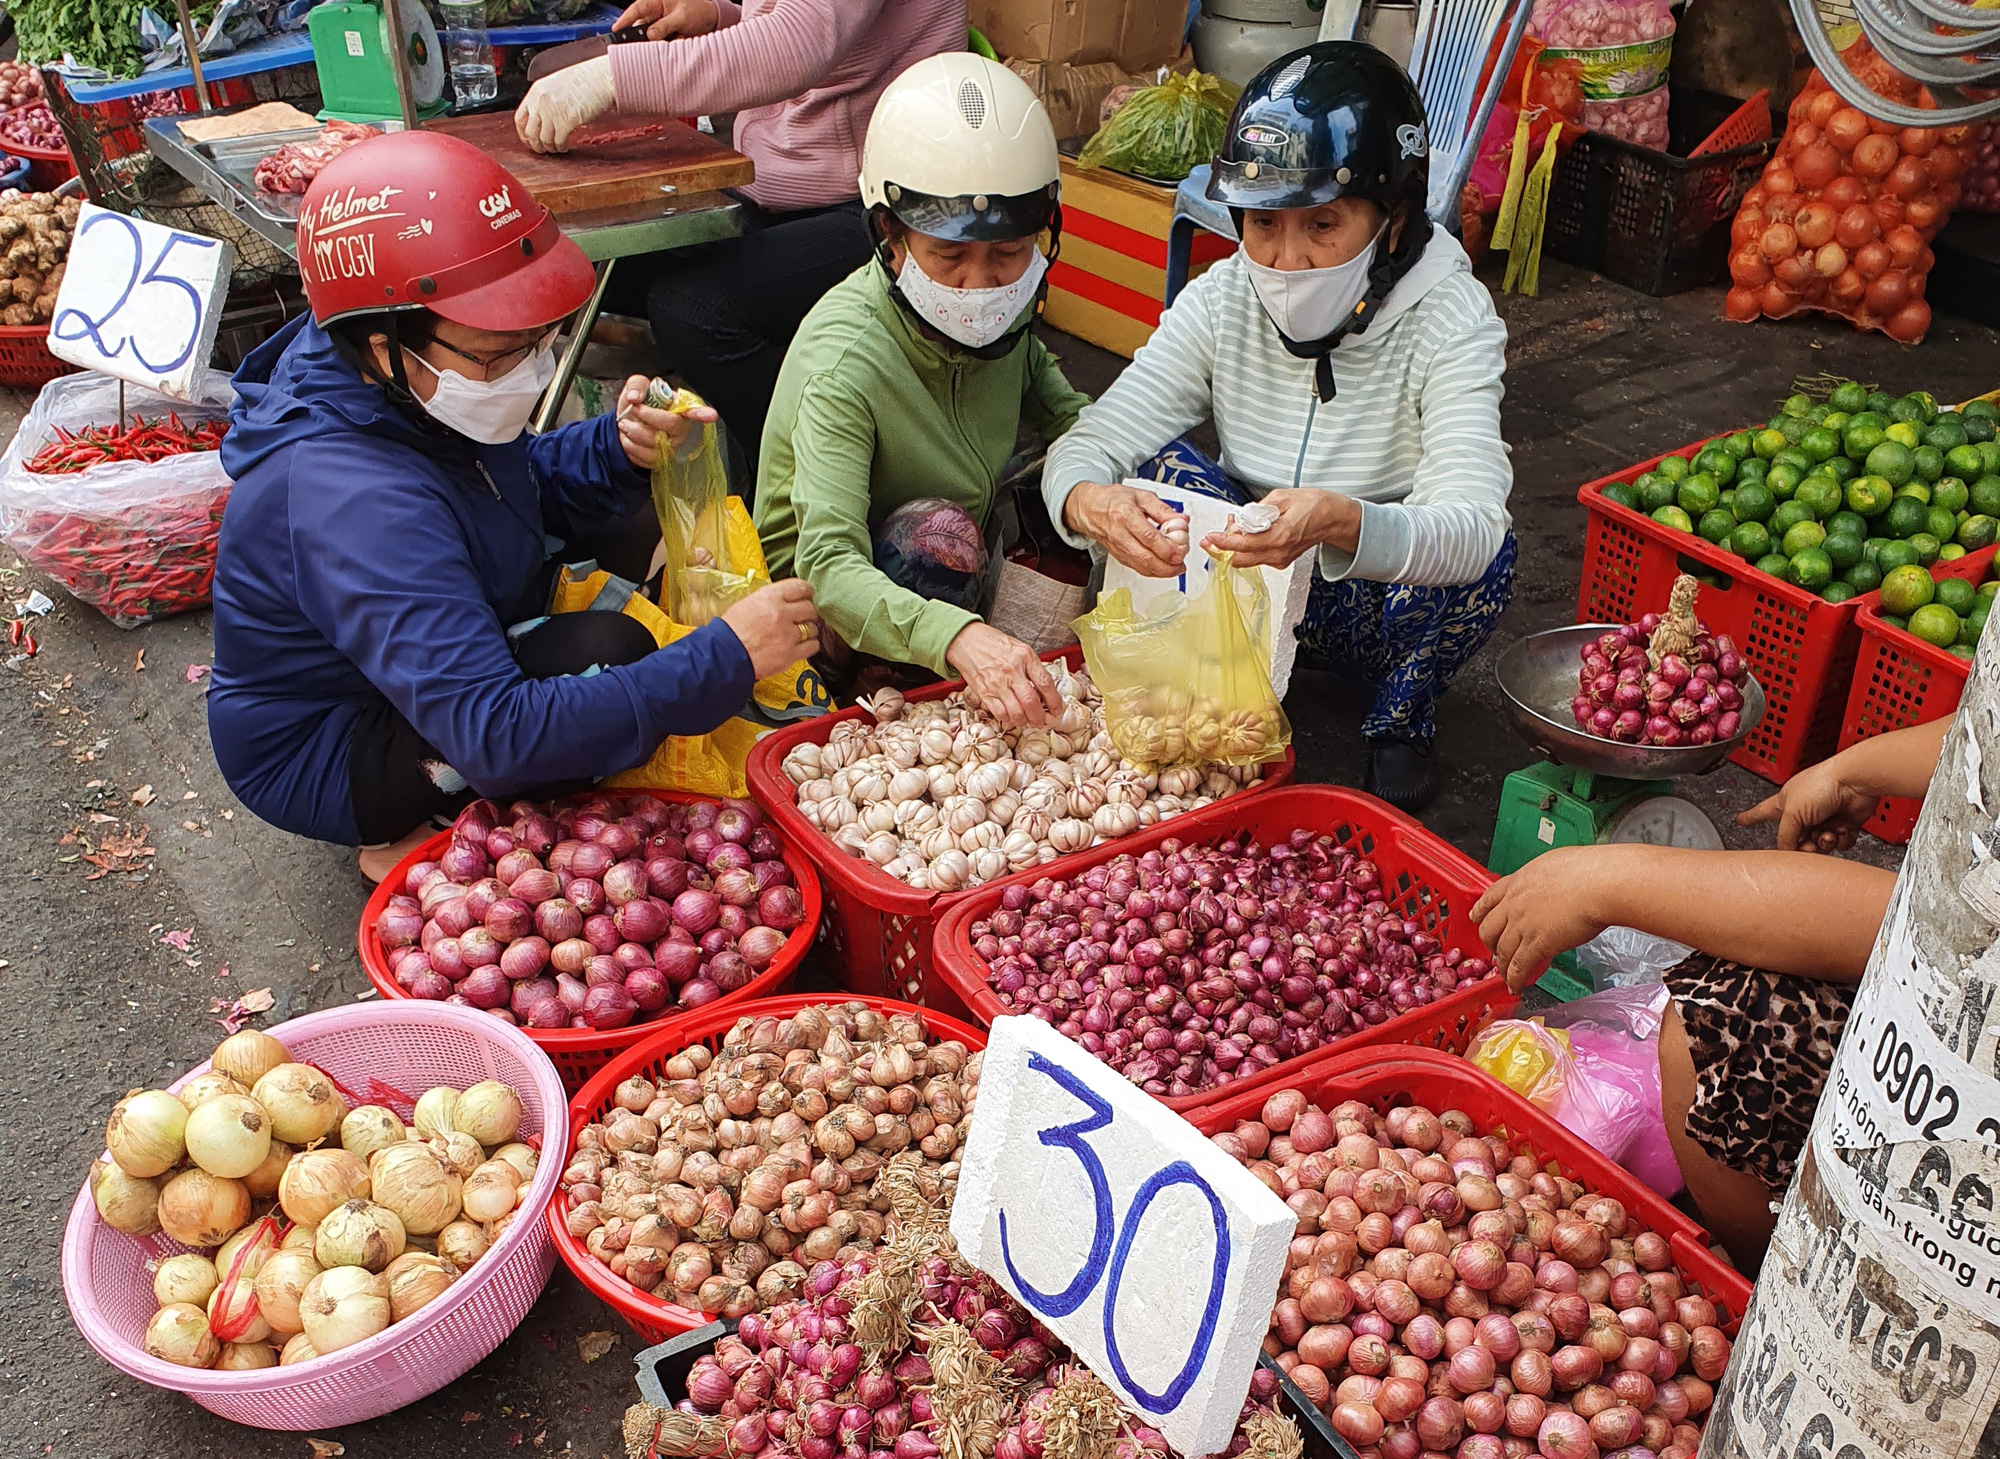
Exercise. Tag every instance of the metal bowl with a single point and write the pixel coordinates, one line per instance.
(1539, 677)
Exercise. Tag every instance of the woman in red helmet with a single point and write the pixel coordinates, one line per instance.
(393, 531)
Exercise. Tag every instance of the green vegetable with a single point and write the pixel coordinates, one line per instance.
(102, 34)
(1164, 132)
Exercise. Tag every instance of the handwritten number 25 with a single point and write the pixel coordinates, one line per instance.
(1060, 1304)
(74, 324)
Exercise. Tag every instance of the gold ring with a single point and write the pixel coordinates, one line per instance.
(807, 633)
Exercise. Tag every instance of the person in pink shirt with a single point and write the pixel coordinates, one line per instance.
(802, 78)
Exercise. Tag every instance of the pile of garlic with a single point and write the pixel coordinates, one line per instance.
(941, 797)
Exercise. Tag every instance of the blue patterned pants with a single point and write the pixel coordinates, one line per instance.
(1406, 641)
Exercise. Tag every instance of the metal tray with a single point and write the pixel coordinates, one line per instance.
(235, 160)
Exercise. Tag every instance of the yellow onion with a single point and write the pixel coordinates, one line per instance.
(241, 1357)
(408, 1179)
(462, 1243)
(281, 1282)
(179, 1334)
(318, 1181)
(522, 1157)
(361, 1234)
(229, 1136)
(299, 1238)
(199, 1090)
(298, 1350)
(184, 1278)
(128, 1203)
(460, 1153)
(249, 1055)
(262, 1239)
(435, 1111)
(263, 1181)
(234, 1311)
(416, 1279)
(490, 1191)
(370, 1128)
(301, 1101)
(199, 1209)
(497, 1228)
(490, 1112)
(144, 1133)
(342, 1307)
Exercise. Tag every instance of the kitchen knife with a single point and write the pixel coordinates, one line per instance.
(570, 53)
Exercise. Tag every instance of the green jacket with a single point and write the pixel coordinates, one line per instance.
(870, 414)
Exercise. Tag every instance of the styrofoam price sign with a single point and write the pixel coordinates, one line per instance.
(1147, 1250)
(140, 301)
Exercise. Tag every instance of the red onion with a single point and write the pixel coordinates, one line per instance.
(486, 988)
(591, 861)
(771, 872)
(738, 888)
(621, 841)
(759, 945)
(509, 918)
(777, 906)
(399, 927)
(625, 882)
(571, 991)
(558, 920)
(678, 961)
(642, 921)
(697, 991)
(601, 932)
(697, 911)
(734, 824)
(667, 876)
(478, 947)
(649, 990)
(608, 1005)
(587, 895)
(1564, 1435)
(729, 971)
(603, 969)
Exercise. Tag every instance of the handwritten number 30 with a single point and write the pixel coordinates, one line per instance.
(73, 324)
(1061, 1304)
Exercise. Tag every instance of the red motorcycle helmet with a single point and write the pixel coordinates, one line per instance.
(417, 219)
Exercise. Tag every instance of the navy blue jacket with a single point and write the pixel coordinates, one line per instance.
(364, 553)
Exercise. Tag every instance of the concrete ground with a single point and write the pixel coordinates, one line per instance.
(105, 739)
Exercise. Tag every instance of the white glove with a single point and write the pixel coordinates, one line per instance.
(561, 102)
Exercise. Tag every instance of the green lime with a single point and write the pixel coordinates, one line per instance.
(1837, 592)
(1869, 496)
(1928, 462)
(1754, 503)
(1892, 461)
(1820, 443)
(1715, 526)
(1821, 493)
(1861, 437)
(1981, 409)
(1698, 493)
(1863, 577)
(1963, 651)
(1737, 444)
(1655, 492)
(1768, 443)
(1792, 427)
(1774, 563)
(1906, 589)
(1928, 548)
(1977, 532)
(1983, 496)
(1818, 414)
(1624, 493)
(1978, 428)
(1946, 433)
(1798, 405)
(1674, 517)
(1783, 478)
(1963, 462)
(1788, 515)
(1950, 493)
(1936, 624)
(1991, 586)
(1905, 515)
(1847, 522)
(1989, 457)
(1750, 541)
(1942, 524)
(1717, 462)
(1871, 549)
(1894, 555)
(1950, 552)
(1926, 406)
(1793, 456)
(1751, 468)
(1671, 467)
(1956, 594)
(1839, 468)
(1836, 421)
(1870, 417)
(1843, 550)
(1921, 490)
(1902, 433)
(1975, 620)
(1894, 622)
(1727, 501)
(1879, 402)
(1849, 395)
(1801, 536)
(1811, 569)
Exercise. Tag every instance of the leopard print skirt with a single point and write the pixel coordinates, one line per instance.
(1763, 1044)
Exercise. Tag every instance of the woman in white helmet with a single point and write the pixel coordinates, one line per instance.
(905, 389)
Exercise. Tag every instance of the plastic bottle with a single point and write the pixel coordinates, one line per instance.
(468, 53)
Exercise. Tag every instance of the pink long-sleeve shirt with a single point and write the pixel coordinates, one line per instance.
(802, 77)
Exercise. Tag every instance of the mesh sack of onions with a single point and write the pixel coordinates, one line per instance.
(1623, 48)
(1193, 965)
(1842, 219)
(1444, 1294)
(1665, 680)
(592, 912)
(1982, 170)
(719, 1185)
(910, 1353)
(940, 796)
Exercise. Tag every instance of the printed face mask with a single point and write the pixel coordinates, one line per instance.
(493, 412)
(1309, 304)
(973, 317)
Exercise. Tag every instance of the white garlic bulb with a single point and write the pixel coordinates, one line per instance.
(963, 812)
(881, 848)
(878, 816)
(935, 747)
(838, 812)
(985, 780)
(976, 838)
(949, 871)
(916, 817)
(1001, 807)
(988, 863)
(1084, 799)
(1069, 834)
(1112, 821)
(936, 843)
(908, 785)
(1031, 821)
(802, 764)
(1020, 849)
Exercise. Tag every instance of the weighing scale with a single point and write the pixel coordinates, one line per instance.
(1591, 791)
(357, 63)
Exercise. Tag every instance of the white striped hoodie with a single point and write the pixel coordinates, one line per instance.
(1413, 431)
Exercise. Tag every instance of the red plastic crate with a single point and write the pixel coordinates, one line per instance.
(1899, 680)
(652, 1318)
(1386, 1077)
(1800, 647)
(878, 931)
(578, 1053)
(25, 358)
(1428, 880)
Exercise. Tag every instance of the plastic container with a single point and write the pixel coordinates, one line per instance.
(48, 167)
(1429, 880)
(1657, 221)
(25, 359)
(579, 1053)
(382, 1051)
(652, 1318)
(1386, 1077)
(878, 931)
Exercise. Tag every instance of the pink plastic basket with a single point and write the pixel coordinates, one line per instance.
(410, 1046)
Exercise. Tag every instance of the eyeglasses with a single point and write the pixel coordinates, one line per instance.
(494, 366)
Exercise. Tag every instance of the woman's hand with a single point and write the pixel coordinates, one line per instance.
(665, 19)
(777, 626)
(1543, 909)
(1125, 522)
(1818, 809)
(562, 101)
(1004, 677)
(1307, 520)
(640, 425)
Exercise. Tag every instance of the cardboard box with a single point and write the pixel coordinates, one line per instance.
(1132, 34)
(1073, 94)
(1110, 281)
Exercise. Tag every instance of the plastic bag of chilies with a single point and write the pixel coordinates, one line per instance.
(1190, 686)
(1164, 132)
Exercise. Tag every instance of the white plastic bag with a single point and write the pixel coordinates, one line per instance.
(134, 539)
(1625, 957)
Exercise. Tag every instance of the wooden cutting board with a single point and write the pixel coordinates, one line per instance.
(611, 174)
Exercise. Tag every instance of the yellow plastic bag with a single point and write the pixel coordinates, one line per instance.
(714, 559)
(1191, 685)
(1526, 1056)
(1164, 132)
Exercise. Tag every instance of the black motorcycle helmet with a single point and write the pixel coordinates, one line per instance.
(1336, 119)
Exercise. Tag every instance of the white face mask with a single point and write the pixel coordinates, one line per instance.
(1309, 304)
(493, 412)
(973, 317)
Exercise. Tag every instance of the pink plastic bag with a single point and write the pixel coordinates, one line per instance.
(1625, 47)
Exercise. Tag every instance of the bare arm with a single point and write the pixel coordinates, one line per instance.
(1811, 917)
(1823, 808)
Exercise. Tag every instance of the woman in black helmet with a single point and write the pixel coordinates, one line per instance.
(1352, 366)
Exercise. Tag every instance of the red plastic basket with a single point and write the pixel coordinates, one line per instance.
(579, 1053)
(1385, 1077)
(25, 358)
(1429, 880)
(653, 1319)
(1800, 647)
(48, 167)
(1899, 680)
(878, 931)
